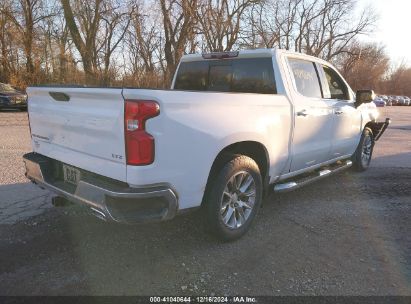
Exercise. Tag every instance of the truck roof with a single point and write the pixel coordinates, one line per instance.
(255, 53)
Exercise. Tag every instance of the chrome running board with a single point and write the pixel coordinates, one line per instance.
(312, 177)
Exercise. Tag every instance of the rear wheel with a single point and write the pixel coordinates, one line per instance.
(233, 198)
(363, 154)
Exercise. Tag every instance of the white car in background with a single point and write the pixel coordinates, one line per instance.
(403, 101)
(379, 102)
(386, 99)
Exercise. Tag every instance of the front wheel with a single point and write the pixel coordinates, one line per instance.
(362, 156)
(233, 198)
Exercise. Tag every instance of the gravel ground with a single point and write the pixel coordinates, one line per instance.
(14, 142)
(346, 235)
(19, 199)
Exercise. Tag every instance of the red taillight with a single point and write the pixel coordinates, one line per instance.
(139, 143)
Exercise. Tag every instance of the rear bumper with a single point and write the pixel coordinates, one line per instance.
(107, 199)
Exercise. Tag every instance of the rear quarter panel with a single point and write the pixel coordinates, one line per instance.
(193, 127)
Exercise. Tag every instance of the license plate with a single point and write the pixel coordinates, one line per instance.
(71, 175)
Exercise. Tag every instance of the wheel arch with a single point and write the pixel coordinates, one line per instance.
(253, 149)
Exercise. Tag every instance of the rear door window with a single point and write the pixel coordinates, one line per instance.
(306, 77)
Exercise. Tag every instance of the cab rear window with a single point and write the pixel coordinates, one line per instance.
(253, 75)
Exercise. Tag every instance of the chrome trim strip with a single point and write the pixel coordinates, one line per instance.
(285, 187)
(288, 176)
(324, 172)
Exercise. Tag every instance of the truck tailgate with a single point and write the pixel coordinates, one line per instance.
(86, 131)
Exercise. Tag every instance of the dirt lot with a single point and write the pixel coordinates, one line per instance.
(346, 235)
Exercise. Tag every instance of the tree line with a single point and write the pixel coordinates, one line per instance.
(140, 42)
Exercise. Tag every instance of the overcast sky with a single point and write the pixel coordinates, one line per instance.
(393, 28)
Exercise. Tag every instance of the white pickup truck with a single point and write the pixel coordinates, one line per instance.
(234, 127)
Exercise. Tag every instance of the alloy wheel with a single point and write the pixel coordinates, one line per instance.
(366, 150)
(238, 199)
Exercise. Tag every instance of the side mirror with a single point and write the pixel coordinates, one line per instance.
(364, 96)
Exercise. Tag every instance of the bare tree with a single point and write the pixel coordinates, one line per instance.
(334, 29)
(116, 22)
(220, 22)
(364, 66)
(5, 40)
(60, 34)
(263, 28)
(140, 42)
(323, 28)
(399, 82)
(26, 15)
(145, 37)
(84, 26)
(179, 20)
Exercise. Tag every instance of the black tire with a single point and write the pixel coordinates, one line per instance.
(362, 156)
(218, 202)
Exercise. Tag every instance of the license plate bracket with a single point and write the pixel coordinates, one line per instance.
(71, 175)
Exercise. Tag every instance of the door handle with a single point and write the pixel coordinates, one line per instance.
(338, 112)
(302, 113)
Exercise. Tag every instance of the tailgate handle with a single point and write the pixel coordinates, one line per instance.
(59, 96)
